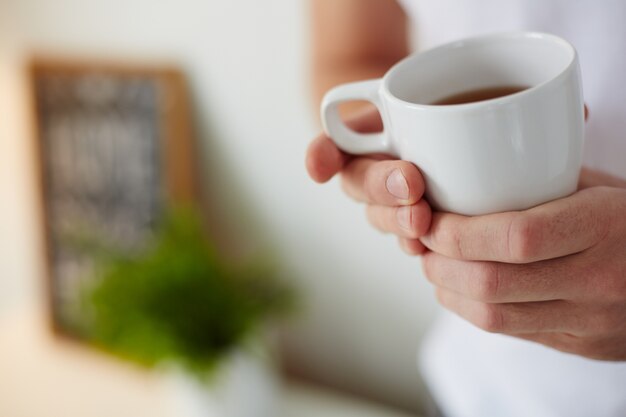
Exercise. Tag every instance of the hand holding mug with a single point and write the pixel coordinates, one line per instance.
(511, 152)
(554, 273)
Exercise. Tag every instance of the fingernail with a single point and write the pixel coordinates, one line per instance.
(397, 186)
(403, 215)
(426, 241)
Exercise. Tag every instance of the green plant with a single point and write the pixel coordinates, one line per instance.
(179, 301)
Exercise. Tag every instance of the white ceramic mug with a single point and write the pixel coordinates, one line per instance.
(508, 153)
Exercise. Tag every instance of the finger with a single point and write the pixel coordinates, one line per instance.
(387, 183)
(495, 282)
(367, 120)
(412, 247)
(404, 221)
(558, 228)
(324, 159)
(513, 318)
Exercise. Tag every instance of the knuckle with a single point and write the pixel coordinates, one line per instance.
(490, 318)
(450, 239)
(522, 238)
(614, 288)
(456, 241)
(487, 282)
(606, 322)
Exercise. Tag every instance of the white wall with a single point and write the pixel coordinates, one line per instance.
(367, 303)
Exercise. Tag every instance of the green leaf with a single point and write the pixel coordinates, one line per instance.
(178, 300)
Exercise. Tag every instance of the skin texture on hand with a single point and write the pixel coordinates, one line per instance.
(554, 274)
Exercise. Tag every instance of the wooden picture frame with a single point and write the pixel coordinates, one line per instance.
(114, 147)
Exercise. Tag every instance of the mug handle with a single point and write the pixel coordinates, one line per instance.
(345, 138)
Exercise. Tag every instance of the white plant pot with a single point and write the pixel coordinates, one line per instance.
(245, 385)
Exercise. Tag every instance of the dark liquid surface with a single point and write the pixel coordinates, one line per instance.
(480, 94)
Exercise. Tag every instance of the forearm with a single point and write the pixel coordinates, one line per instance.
(354, 40)
(328, 74)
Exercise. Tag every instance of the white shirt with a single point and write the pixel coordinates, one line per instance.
(474, 373)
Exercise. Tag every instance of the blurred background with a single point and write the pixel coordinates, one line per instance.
(363, 306)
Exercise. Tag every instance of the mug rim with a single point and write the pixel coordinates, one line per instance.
(554, 39)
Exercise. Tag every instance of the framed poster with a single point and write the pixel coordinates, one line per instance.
(114, 148)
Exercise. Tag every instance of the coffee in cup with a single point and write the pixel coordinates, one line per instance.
(480, 94)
